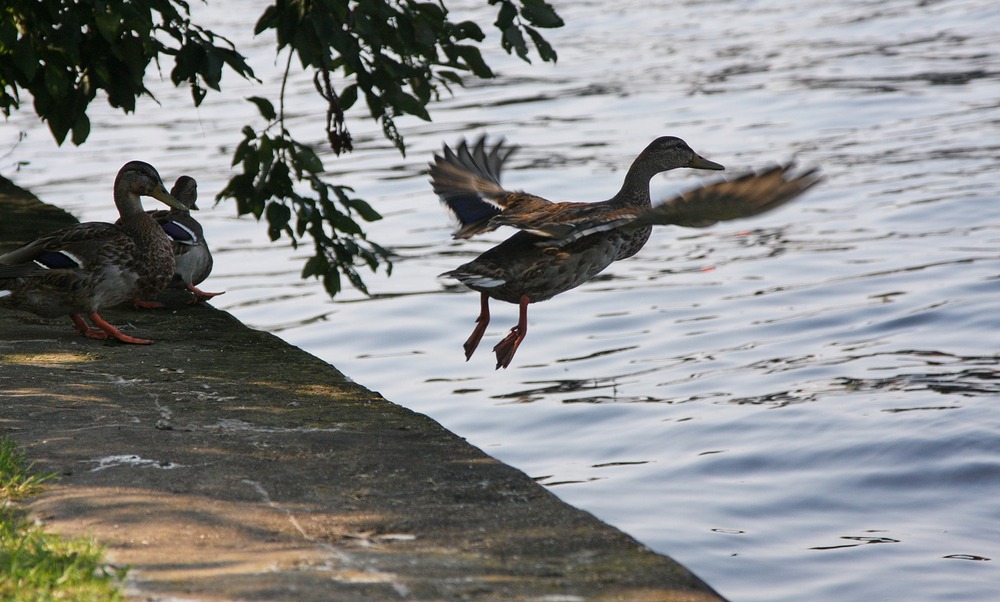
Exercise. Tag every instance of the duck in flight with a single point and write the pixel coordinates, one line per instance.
(559, 246)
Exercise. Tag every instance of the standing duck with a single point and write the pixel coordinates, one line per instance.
(562, 245)
(187, 237)
(84, 268)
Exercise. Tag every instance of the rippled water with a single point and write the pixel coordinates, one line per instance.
(798, 407)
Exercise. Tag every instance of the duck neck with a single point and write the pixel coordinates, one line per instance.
(128, 204)
(135, 221)
(635, 189)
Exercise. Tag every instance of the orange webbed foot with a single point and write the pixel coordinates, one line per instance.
(200, 295)
(104, 330)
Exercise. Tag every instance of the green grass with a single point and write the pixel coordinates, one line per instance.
(16, 478)
(35, 565)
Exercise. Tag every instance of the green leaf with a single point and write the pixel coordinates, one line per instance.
(197, 93)
(278, 216)
(410, 105)
(264, 107)
(467, 30)
(474, 60)
(307, 160)
(331, 282)
(59, 129)
(513, 40)
(348, 96)
(450, 77)
(506, 16)
(25, 59)
(279, 181)
(55, 83)
(315, 266)
(212, 71)
(108, 23)
(355, 279)
(345, 224)
(545, 50)
(364, 210)
(540, 13)
(81, 129)
(8, 36)
(185, 63)
(268, 20)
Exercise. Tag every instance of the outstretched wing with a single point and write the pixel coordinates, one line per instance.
(467, 180)
(744, 196)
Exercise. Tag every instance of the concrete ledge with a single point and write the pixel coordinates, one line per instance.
(221, 463)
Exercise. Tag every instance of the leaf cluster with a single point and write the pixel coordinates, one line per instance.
(396, 54)
(64, 53)
(281, 180)
(515, 20)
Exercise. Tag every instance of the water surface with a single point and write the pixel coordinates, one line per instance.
(802, 406)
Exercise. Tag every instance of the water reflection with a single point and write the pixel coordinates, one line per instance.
(566, 386)
(967, 557)
(779, 399)
(981, 378)
(860, 540)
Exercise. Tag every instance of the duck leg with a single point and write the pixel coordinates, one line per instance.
(481, 323)
(86, 329)
(506, 348)
(103, 330)
(143, 304)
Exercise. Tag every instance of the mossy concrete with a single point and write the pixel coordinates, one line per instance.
(222, 463)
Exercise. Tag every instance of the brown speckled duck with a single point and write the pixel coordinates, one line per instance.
(84, 268)
(187, 237)
(562, 245)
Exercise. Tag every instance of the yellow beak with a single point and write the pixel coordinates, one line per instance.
(167, 199)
